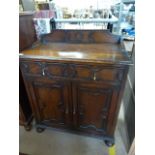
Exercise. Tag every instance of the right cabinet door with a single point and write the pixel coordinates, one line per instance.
(94, 107)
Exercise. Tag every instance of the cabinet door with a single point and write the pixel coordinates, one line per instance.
(92, 107)
(50, 101)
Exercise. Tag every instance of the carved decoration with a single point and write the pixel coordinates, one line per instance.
(63, 68)
(81, 36)
(70, 71)
(53, 121)
(25, 67)
(93, 127)
(104, 111)
(75, 74)
(60, 105)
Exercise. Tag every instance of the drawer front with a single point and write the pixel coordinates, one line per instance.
(56, 70)
(31, 68)
(98, 73)
(73, 71)
(44, 69)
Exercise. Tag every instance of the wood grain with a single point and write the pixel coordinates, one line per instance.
(74, 84)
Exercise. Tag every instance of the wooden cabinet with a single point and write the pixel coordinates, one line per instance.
(25, 117)
(51, 102)
(27, 37)
(93, 103)
(25, 112)
(77, 94)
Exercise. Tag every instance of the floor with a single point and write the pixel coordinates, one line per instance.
(52, 142)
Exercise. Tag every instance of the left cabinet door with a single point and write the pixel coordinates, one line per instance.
(50, 102)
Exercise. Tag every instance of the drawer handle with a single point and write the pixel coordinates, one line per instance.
(43, 72)
(94, 76)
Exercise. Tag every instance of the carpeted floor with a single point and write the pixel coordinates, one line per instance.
(22, 153)
(52, 142)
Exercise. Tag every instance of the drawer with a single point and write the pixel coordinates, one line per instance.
(56, 70)
(98, 73)
(72, 71)
(44, 69)
(31, 68)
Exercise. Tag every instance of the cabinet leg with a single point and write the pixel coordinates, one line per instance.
(28, 127)
(40, 129)
(109, 142)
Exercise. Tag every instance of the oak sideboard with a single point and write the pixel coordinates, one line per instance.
(75, 80)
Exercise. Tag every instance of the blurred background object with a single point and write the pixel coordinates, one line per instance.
(122, 10)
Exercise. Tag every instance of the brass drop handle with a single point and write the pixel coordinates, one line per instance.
(94, 76)
(43, 71)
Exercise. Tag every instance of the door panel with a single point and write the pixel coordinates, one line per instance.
(52, 102)
(93, 104)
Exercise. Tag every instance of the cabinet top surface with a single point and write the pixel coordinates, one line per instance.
(106, 52)
(78, 46)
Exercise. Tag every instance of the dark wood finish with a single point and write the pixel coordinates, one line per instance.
(51, 101)
(25, 112)
(74, 53)
(80, 36)
(93, 102)
(27, 37)
(27, 33)
(76, 86)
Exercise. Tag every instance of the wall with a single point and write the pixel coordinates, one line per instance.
(129, 105)
(28, 5)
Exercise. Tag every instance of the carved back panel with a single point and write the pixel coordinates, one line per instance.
(81, 36)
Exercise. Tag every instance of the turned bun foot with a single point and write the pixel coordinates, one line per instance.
(28, 127)
(109, 143)
(39, 129)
